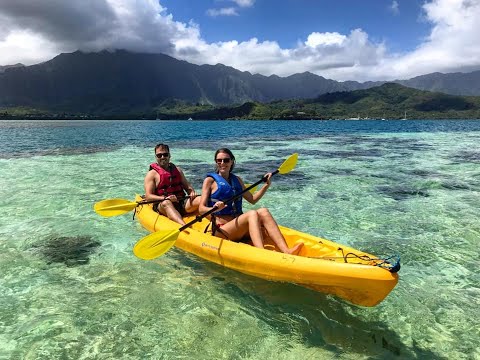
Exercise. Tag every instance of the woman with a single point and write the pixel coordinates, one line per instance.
(229, 222)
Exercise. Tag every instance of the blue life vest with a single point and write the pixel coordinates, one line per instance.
(226, 190)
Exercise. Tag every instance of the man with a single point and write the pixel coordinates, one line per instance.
(167, 183)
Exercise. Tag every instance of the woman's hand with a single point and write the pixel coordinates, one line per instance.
(192, 194)
(268, 178)
(219, 205)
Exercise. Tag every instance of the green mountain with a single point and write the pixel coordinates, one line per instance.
(122, 84)
(388, 101)
(454, 83)
(392, 101)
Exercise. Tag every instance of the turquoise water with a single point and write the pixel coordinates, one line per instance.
(72, 289)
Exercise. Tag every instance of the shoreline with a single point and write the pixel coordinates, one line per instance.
(121, 118)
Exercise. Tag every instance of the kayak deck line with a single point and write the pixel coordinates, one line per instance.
(381, 262)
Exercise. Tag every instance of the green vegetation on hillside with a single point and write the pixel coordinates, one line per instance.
(389, 101)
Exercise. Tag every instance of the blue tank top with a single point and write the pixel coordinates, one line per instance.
(226, 190)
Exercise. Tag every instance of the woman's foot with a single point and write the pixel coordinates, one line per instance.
(295, 250)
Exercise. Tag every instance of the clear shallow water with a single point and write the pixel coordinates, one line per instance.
(71, 288)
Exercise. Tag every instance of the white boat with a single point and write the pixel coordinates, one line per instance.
(354, 118)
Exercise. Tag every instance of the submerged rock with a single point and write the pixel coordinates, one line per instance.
(401, 193)
(72, 251)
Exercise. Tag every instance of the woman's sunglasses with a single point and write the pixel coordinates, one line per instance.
(162, 155)
(225, 161)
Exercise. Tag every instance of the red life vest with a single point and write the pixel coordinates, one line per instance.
(170, 181)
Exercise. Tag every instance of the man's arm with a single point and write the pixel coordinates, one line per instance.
(186, 185)
(150, 186)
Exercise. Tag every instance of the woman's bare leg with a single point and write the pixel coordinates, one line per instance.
(251, 223)
(267, 220)
(248, 223)
(255, 229)
(192, 206)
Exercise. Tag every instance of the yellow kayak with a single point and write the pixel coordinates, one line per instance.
(322, 265)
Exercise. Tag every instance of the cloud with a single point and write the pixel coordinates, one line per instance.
(394, 7)
(222, 12)
(230, 11)
(244, 3)
(35, 31)
(325, 39)
(89, 25)
(55, 21)
(453, 41)
(27, 48)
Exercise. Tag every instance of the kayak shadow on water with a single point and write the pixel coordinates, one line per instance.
(317, 320)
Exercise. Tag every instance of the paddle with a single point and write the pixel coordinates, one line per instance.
(115, 207)
(158, 243)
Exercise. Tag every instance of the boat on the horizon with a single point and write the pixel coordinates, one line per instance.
(354, 118)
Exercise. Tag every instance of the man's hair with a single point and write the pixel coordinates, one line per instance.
(163, 146)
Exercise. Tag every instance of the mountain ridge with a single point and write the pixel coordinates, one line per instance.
(122, 82)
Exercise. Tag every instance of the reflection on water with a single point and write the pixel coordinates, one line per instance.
(411, 188)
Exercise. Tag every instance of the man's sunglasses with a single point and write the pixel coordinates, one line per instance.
(225, 161)
(162, 155)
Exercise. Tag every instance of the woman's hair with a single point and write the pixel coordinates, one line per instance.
(229, 153)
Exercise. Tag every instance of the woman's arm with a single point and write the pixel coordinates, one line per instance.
(208, 187)
(254, 198)
(206, 191)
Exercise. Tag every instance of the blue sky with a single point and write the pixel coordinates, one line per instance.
(342, 40)
(288, 22)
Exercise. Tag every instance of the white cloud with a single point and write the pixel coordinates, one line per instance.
(90, 25)
(27, 48)
(337, 57)
(325, 39)
(452, 44)
(244, 3)
(31, 32)
(230, 11)
(222, 12)
(394, 8)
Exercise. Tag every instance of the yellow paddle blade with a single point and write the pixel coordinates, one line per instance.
(114, 207)
(288, 164)
(252, 190)
(155, 244)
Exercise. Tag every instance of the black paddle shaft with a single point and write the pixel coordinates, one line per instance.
(233, 198)
(156, 201)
